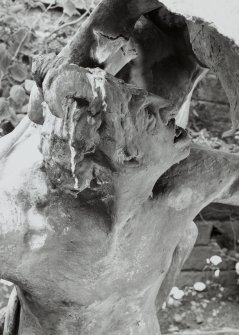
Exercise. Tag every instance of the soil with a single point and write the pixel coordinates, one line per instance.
(205, 311)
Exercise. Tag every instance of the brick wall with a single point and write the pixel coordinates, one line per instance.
(210, 108)
(218, 224)
(196, 268)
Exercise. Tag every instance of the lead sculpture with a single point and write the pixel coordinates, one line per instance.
(100, 183)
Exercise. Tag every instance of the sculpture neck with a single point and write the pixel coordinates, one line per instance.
(114, 316)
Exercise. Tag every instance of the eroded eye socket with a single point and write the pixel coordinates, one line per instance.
(81, 102)
(151, 117)
(150, 111)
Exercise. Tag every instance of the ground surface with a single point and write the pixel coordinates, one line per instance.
(203, 311)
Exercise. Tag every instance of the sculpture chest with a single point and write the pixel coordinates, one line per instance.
(63, 250)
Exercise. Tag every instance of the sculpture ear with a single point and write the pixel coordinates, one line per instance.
(35, 111)
(40, 67)
(67, 81)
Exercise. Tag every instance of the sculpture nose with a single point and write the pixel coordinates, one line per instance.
(171, 123)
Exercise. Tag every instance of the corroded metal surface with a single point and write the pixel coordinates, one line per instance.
(99, 197)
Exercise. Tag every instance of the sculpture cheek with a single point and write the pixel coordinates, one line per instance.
(37, 230)
(35, 240)
(10, 216)
(36, 221)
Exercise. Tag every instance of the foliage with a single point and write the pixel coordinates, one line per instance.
(26, 29)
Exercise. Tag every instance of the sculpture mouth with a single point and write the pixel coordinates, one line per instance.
(180, 134)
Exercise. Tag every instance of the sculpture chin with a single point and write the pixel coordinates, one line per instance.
(183, 142)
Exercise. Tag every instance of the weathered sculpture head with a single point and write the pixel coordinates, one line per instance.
(97, 127)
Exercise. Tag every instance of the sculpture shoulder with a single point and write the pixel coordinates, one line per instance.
(21, 169)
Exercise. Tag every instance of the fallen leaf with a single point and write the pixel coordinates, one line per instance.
(199, 319)
(18, 95)
(4, 108)
(28, 85)
(17, 8)
(5, 58)
(18, 72)
(178, 318)
(204, 304)
(69, 8)
(19, 39)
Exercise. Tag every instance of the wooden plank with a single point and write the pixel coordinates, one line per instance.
(200, 254)
(204, 232)
(212, 332)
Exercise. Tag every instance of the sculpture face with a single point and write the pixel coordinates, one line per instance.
(106, 127)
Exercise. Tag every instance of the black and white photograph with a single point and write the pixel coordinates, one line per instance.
(119, 167)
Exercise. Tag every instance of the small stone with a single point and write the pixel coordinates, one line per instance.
(173, 329)
(204, 304)
(170, 301)
(178, 318)
(199, 319)
(176, 293)
(237, 268)
(199, 287)
(216, 260)
(177, 303)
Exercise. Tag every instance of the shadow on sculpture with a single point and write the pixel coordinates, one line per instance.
(98, 193)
